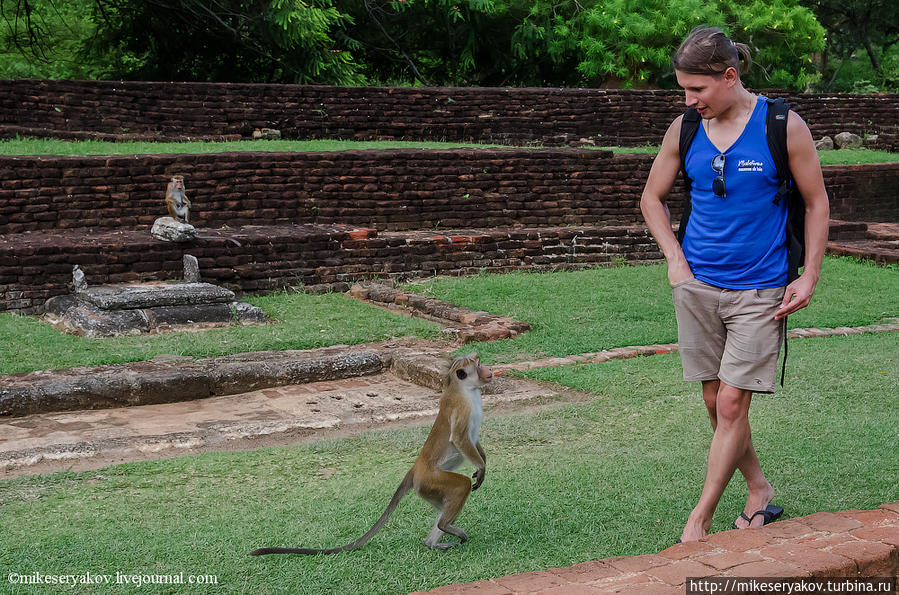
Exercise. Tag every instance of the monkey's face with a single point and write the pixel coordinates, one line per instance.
(469, 371)
(178, 183)
(485, 374)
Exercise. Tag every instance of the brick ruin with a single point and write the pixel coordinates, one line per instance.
(514, 116)
(326, 219)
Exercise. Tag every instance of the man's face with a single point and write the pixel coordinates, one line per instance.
(708, 93)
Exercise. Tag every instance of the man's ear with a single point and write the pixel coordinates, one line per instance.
(731, 76)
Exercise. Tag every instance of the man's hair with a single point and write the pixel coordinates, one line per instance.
(707, 50)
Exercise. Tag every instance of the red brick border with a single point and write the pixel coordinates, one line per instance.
(851, 543)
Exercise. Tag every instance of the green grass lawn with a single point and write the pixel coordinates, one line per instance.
(569, 312)
(591, 310)
(40, 146)
(613, 476)
(856, 156)
(303, 322)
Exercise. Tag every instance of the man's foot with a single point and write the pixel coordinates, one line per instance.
(695, 529)
(756, 500)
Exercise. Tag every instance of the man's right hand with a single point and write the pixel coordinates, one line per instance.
(678, 273)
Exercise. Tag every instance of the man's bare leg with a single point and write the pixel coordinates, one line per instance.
(759, 490)
(729, 446)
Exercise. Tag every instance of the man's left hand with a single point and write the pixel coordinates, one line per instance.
(797, 296)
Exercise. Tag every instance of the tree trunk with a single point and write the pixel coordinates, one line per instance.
(872, 54)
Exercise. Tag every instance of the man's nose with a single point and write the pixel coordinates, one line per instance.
(690, 99)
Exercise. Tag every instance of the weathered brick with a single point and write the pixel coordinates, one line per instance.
(477, 588)
(830, 522)
(530, 581)
(873, 559)
(636, 563)
(814, 561)
(742, 540)
(885, 534)
(686, 550)
(729, 560)
(585, 572)
(676, 573)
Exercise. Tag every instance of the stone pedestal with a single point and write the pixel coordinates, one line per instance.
(114, 310)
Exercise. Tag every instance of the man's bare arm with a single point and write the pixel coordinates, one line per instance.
(661, 178)
(806, 170)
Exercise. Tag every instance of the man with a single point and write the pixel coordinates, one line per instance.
(729, 276)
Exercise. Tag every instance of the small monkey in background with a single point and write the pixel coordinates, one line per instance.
(176, 200)
(453, 438)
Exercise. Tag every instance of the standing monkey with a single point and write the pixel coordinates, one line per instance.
(453, 438)
(176, 200)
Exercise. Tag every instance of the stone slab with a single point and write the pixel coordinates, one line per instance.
(128, 297)
(163, 380)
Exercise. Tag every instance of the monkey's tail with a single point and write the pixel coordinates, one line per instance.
(401, 491)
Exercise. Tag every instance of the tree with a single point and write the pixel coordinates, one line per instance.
(297, 41)
(870, 24)
(852, 24)
(434, 42)
(42, 38)
(630, 42)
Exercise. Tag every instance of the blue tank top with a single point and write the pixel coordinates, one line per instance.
(739, 241)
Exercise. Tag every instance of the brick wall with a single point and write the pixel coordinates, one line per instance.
(290, 217)
(387, 190)
(863, 193)
(390, 190)
(37, 266)
(120, 109)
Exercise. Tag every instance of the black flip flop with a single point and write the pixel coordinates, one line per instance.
(744, 517)
(770, 514)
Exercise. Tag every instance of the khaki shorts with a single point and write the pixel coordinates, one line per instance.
(729, 334)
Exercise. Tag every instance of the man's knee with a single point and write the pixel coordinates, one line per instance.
(710, 393)
(732, 404)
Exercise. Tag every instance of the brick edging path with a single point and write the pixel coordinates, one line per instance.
(638, 350)
(852, 543)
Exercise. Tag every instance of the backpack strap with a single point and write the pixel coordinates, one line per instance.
(688, 127)
(776, 133)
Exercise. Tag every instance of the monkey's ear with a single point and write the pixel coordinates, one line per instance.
(461, 375)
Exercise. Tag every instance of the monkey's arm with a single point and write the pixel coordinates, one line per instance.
(462, 441)
(479, 473)
(170, 206)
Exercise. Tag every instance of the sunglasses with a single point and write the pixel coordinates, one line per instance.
(718, 167)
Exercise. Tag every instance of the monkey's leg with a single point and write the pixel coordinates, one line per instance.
(456, 490)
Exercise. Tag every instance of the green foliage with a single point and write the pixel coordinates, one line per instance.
(629, 42)
(856, 74)
(60, 28)
(783, 35)
(862, 34)
(636, 45)
(293, 41)
(433, 42)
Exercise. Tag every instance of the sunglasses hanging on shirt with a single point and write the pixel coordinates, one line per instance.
(718, 182)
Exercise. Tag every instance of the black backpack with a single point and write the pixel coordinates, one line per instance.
(776, 133)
